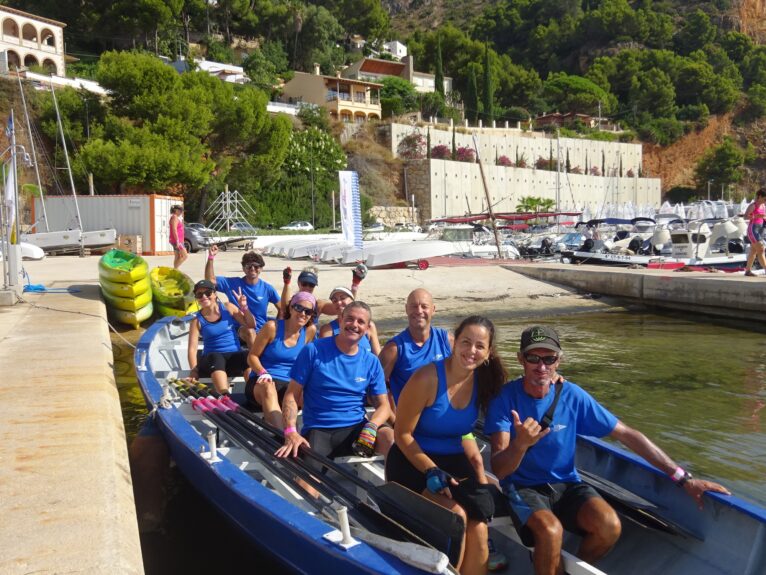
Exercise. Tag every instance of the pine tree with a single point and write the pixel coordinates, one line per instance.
(428, 143)
(454, 147)
(489, 92)
(472, 98)
(439, 79)
(568, 165)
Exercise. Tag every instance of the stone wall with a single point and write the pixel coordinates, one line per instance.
(391, 215)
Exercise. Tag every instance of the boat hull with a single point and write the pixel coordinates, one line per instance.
(130, 290)
(122, 267)
(133, 318)
(171, 287)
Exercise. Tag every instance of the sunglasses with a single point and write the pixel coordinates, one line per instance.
(200, 294)
(251, 267)
(535, 359)
(304, 310)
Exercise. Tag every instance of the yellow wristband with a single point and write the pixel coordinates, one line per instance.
(469, 436)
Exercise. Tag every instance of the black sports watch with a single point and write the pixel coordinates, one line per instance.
(687, 476)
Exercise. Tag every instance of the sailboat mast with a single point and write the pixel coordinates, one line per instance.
(558, 178)
(489, 201)
(34, 152)
(66, 156)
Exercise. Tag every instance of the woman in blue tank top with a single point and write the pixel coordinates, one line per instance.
(437, 407)
(217, 323)
(340, 297)
(276, 348)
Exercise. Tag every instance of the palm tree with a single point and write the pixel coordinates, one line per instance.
(528, 204)
(546, 205)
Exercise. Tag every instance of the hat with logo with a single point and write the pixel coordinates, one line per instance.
(204, 284)
(343, 290)
(308, 278)
(539, 336)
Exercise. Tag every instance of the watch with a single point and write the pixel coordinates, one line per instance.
(686, 477)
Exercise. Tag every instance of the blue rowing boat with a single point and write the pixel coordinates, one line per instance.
(232, 466)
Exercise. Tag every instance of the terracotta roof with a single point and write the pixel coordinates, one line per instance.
(387, 67)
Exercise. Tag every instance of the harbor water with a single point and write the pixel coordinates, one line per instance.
(696, 388)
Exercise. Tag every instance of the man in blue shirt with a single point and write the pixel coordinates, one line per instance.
(259, 292)
(333, 376)
(533, 455)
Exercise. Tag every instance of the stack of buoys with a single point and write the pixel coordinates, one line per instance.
(124, 279)
(173, 292)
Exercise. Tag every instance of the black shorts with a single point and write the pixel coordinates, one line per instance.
(332, 442)
(279, 384)
(563, 499)
(233, 363)
(473, 497)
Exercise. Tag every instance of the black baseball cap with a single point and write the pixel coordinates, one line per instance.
(308, 278)
(539, 336)
(204, 284)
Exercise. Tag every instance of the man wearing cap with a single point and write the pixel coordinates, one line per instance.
(177, 236)
(340, 298)
(534, 424)
(258, 292)
(333, 377)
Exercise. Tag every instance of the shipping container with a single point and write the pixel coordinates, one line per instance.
(144, 216)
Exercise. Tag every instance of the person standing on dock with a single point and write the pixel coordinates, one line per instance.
(259, 292)
(177, 236)
(533, 452)
(756, 214)
(332, 377)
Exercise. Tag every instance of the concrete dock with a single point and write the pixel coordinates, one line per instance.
(715, 293)
(65, 482)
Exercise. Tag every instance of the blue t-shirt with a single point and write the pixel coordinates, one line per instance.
(411, 356)
(441, 427)
(258, 295)
(364, 343)
(550, 460)
(335, 384)
(219, 335)
(277, 358)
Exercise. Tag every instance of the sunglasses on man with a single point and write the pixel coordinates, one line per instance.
(248, 267)
(200, 294)
(309, 311)
(535, 359)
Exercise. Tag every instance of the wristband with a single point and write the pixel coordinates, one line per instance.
(678, 474)
(262, 372)
(210, 258)
(290, 429)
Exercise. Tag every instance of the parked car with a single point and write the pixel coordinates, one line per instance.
(376, 227)
(194, 239)
(299, 226)
(205, 231)
(245, 228)
(407, 227)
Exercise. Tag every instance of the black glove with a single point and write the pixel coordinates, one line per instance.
(287, 274)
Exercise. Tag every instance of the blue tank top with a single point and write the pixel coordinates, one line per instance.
(441, 427)
(364, 343)
(219, 335)
(411, 356)
(277, 358)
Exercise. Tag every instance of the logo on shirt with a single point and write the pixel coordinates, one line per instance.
(259, 297)
(438, 356)
(558, 427)
(360, 379)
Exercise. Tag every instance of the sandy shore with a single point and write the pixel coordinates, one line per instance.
(458, 291)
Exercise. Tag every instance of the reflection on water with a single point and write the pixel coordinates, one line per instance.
(697, 389)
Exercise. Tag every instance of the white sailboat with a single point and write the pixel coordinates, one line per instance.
(70, 240)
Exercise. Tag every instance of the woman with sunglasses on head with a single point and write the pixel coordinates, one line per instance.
(218, 322)
(276, 348)
(340, 298)
(437, 407)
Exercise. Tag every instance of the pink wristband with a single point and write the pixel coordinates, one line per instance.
(262, 372)
(210, 258)
(290, 429)
(678, 474)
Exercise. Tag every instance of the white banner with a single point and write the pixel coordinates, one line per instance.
(9, 195)
(350, 208)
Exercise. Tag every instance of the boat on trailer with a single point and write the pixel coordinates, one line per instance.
(663, 531)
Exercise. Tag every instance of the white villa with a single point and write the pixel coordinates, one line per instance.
(27, 40)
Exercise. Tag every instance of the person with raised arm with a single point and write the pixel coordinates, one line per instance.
(438, 406)
(333, 377)
(534, 423)
(308, 280)
(218, 322)
(274, 352)
(258, 292)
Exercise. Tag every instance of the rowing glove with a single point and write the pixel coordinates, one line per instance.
(364, 446)
(437, 479)
(287, 275)
(359, 273)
